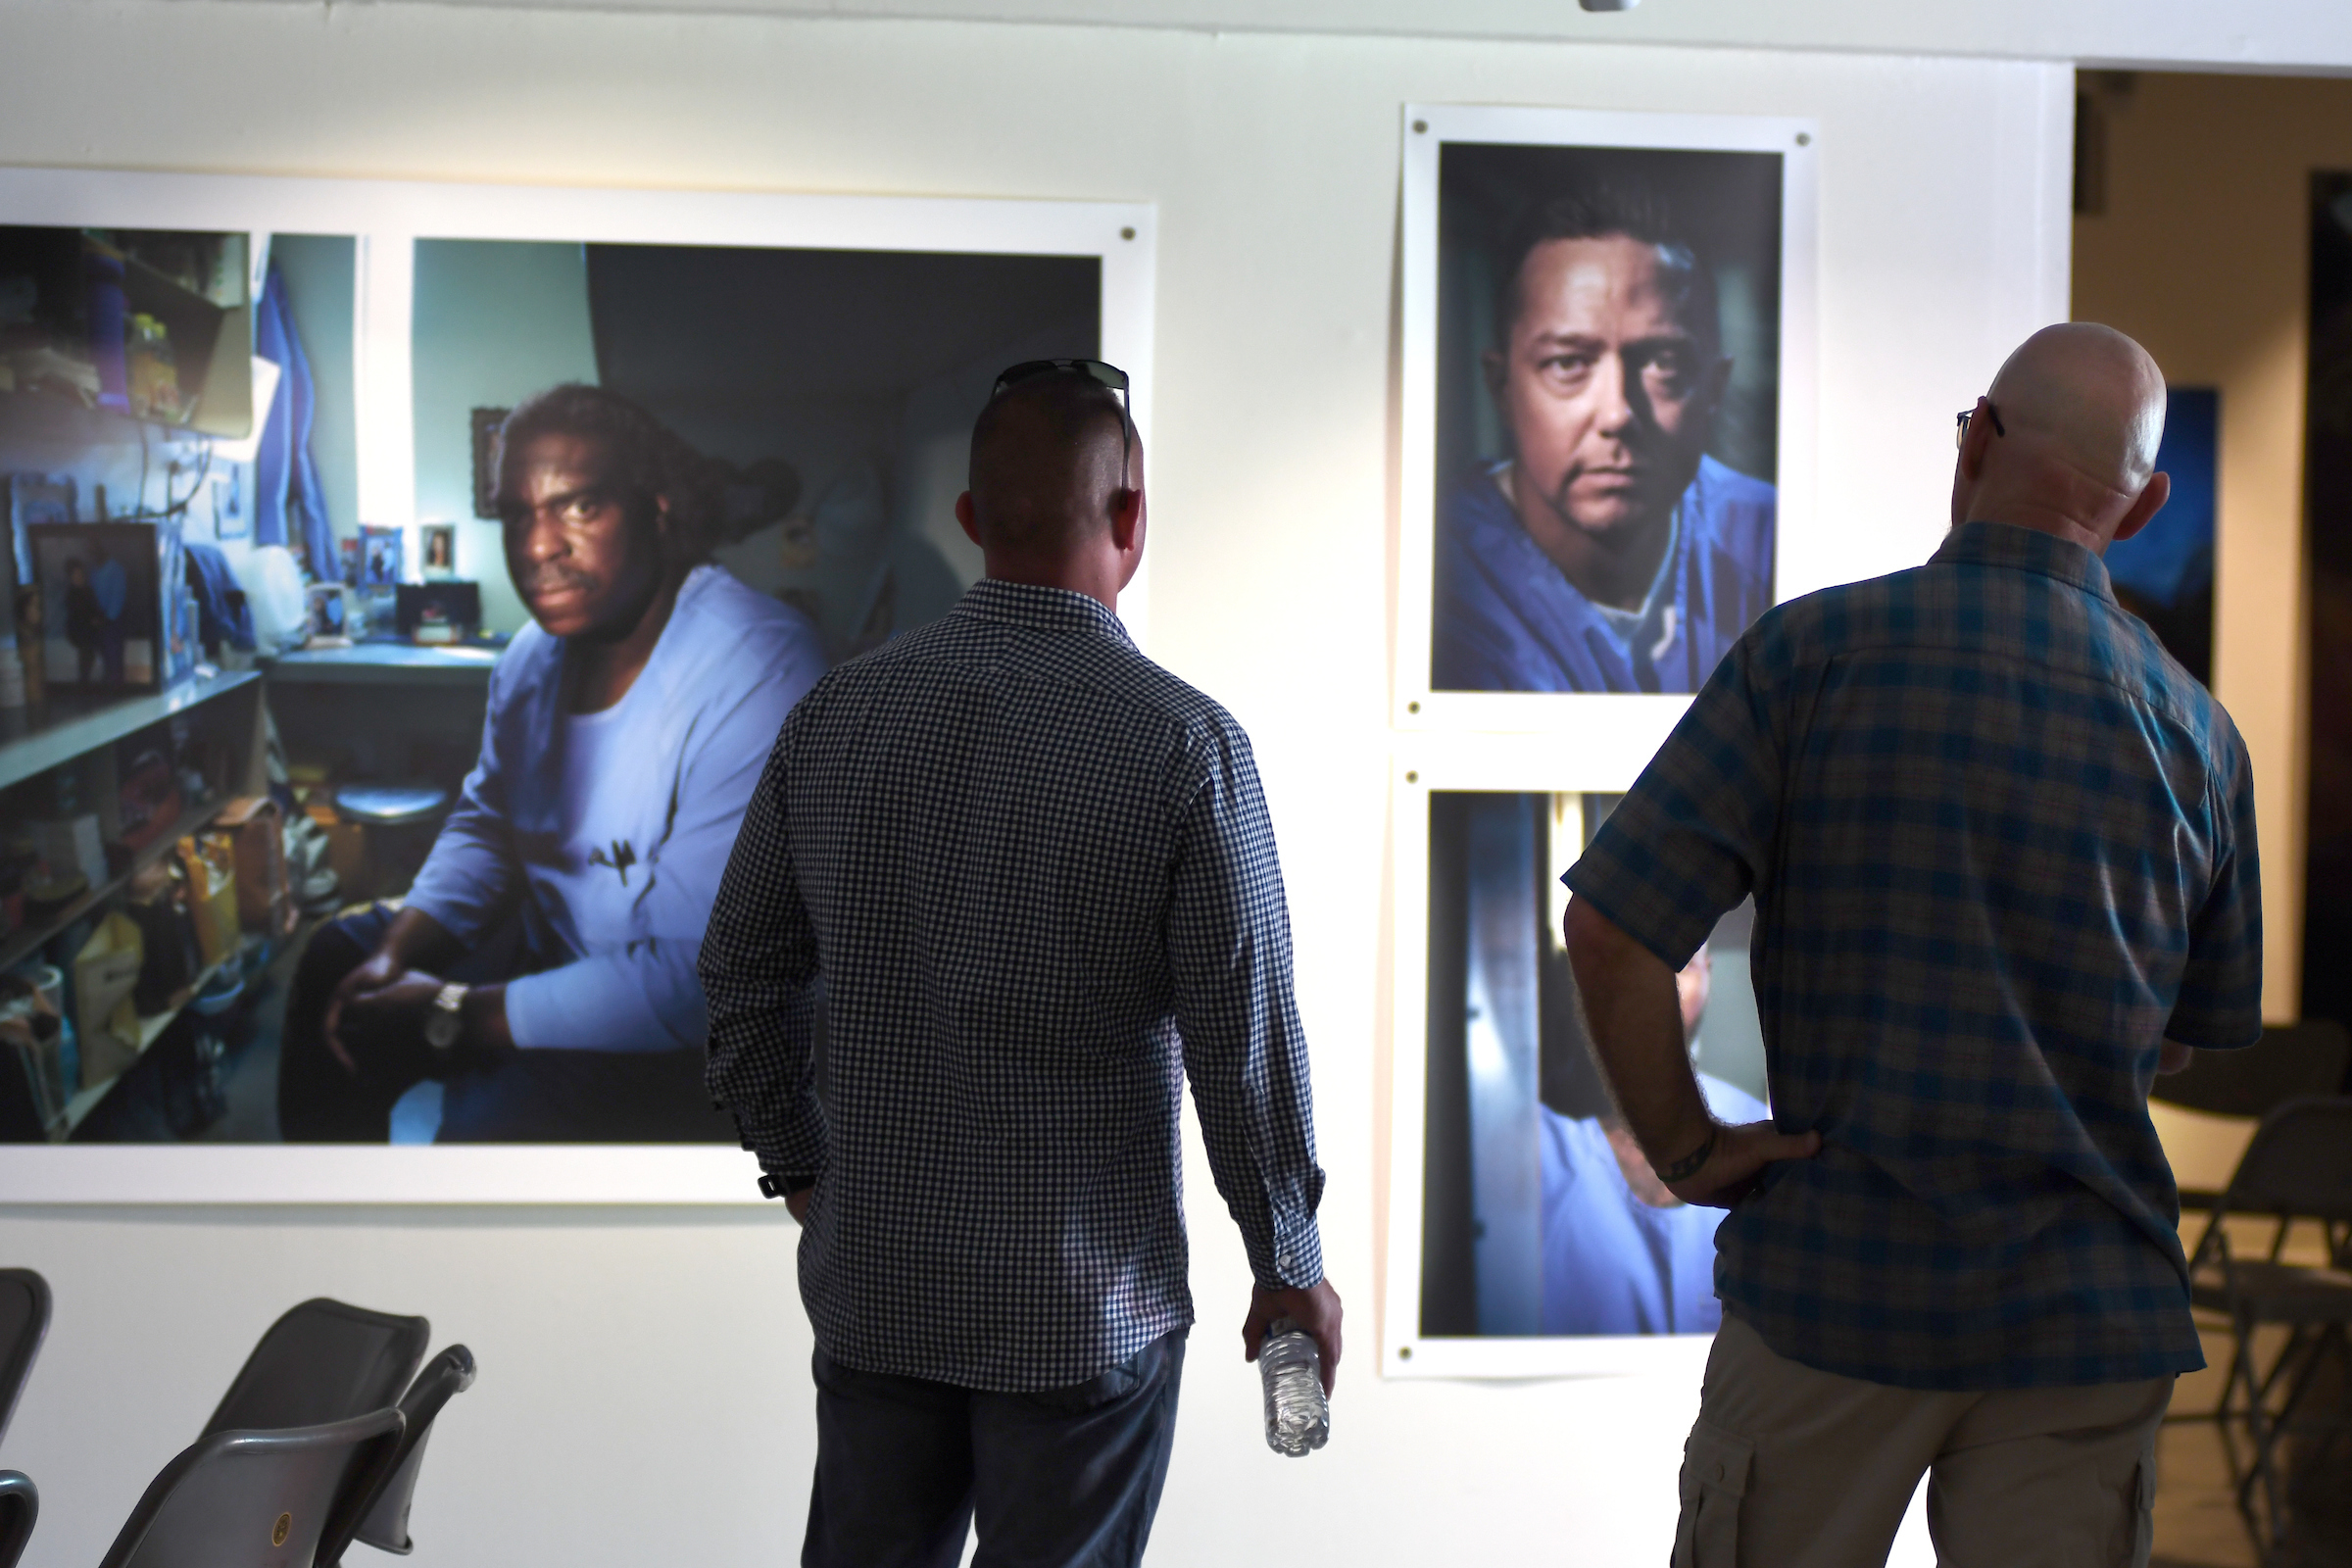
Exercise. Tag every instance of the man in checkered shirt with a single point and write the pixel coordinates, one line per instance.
(2002, 851)
(1033, 875)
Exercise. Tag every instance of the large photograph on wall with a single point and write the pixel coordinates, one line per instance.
(407, 585)
(1607, 402)
(1528, 1234)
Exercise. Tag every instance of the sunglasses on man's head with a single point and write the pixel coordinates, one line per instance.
(1096, 370)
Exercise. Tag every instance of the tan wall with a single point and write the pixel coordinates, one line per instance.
(2203, 254)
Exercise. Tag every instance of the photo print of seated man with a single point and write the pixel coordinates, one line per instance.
(1620, 1253)
(1606, 550)
(538, 982)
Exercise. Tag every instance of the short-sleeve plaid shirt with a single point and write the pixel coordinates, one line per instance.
(2001, 845)
(1034, 874)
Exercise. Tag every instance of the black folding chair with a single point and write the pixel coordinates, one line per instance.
(20, 1506)
(2298, 1168)
(260, 1500)
(384, 1524)
(322, 1361)
(24, 1323)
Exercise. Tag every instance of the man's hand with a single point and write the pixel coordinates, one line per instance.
(382, 970)
(797, 1203)
(2172, 1056)
(383, 1031)
(1315, 1309)
(1737, 1159)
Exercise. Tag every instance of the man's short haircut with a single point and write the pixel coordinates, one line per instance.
(1039, 450)
(1602, 210)
(647, 459)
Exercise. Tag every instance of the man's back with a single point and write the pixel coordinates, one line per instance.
(1026, 856)
(2001, 847)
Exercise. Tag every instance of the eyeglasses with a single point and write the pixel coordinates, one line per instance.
(1094, 371)
(1960, 436)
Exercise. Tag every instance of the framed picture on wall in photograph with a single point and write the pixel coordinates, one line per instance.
(382, 556)
(101, 624)
(777, 393)
(1607, 401)
(439, 550)
(1526, 1234)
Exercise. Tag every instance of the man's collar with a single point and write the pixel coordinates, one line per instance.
(1041, 609)
(2001, 544)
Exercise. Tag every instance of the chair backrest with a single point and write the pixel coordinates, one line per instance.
(2291, 1061)
(385, 1523)
(258, 1500)
(20, 1506)
(24, 1322)
(322, 1361)
(2299, 1164)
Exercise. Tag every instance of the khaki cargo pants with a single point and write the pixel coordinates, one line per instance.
(1789, 1467)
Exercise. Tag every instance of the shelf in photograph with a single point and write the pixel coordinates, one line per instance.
(22, 944)
(151, 1029)
(465, 665)
(72, 726)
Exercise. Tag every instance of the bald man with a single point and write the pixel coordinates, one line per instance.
(1033, 874)
(2002, 852)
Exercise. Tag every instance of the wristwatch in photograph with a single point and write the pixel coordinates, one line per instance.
(446, 1021)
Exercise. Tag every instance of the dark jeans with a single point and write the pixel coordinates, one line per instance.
(535, 1096)
(1067, 1478)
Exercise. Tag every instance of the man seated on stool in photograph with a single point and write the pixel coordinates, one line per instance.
(541, 970)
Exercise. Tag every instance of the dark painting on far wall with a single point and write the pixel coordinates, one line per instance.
(2163, 573)
(2327, 499)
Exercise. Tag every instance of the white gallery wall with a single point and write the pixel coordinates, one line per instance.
(644, 1393)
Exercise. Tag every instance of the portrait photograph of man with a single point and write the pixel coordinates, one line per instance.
(1606, 415)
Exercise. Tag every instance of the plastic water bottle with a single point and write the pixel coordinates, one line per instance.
(1297, 1416)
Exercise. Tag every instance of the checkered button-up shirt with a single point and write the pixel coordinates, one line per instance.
(1033, 873)
(2001, 845)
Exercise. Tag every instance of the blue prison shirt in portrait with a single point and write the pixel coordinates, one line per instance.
(1506, 619)
(2001, 847)
(605, 837)
(1034, 875)
(1612, 1263)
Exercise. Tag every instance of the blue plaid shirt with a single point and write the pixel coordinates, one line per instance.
(2001, 845)
(1034, 873)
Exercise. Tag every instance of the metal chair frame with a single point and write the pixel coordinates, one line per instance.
(20, 1507)
(383, 1515)
(2312, 1303)
(17, 1358)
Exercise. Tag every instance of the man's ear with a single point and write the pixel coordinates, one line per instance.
(1978, 441)
(1497, 370)
(1126, 519)
(967, 520)
(1719, 380)
(2158, 490)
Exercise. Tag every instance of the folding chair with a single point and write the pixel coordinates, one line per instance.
(322, 1361)
(260, 1500)
(24, 1323)
(2299, 1166)
(20, 1506)
(384, 1523)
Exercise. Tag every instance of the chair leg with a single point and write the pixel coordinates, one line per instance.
(2265, 1428)
(2264, 1524)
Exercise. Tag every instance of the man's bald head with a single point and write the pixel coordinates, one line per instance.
(2090, 397)
(2067, 441)
(1045, 467)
